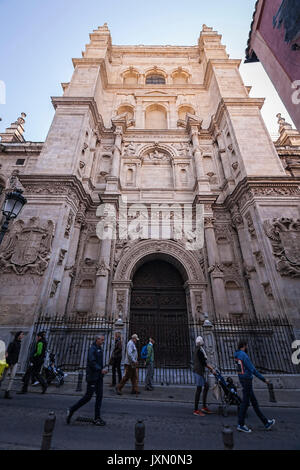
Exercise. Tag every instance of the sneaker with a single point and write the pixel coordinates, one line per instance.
(69, 416)
(99, 422)
(35, 383)
(198, 413)
(243, 428)
(207, 410)
(269, 424)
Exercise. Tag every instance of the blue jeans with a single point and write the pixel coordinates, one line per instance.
(248, 396)
(92, 388)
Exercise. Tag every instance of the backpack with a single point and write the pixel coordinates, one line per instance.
(144, 352)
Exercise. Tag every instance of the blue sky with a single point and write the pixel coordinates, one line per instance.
(38, 39)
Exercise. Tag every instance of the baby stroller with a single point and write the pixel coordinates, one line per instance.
(53, 373)
(227, 391)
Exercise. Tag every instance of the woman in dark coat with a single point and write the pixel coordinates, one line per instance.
(200, 365)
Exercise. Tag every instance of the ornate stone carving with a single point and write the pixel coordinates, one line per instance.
(102, 268)
(209, 222)
(236, 216)
(69, 224)
(121, 298)
(250, 225)
(284, 234)
(259, 258)
(61, 256)
(27, 250)
(268, 290)
(248, 270)
(216, 270)
(54, 287)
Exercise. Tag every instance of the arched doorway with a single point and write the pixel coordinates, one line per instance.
(158, 308)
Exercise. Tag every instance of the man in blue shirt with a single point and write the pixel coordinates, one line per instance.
(246, 370)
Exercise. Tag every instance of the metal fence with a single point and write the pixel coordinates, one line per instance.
(269, 341)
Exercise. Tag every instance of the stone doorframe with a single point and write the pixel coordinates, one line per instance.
(171, 251)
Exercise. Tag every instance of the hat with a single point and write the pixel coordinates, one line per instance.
(135, 336)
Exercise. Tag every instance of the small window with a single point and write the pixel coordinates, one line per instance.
(155, 80)
(20, 161)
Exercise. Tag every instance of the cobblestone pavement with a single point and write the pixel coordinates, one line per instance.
(169, 426)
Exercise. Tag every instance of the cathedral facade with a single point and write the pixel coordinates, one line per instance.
(157, 192)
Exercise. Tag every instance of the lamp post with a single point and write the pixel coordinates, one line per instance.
(12, 207)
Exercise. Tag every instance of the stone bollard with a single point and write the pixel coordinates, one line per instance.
(139, 435)
(227, 437)
(48, 430)
(79, 382)
(272, 398)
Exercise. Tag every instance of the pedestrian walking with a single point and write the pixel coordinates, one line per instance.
(115, 360)
(95, 372)
(131, 366)
(246, 370)
(36, 362)
(12, 357)
(200, 376)
(149, 362)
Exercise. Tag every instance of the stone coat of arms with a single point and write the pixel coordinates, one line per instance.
(28, 247)
(284, 234)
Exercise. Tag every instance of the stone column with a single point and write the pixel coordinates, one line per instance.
(202, 179)
(115, 170)
(68, 271)
(215, 269)
(103, 268)
(255, 288)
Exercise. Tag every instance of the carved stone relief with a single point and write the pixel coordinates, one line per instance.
(27, 248)
(284, 234)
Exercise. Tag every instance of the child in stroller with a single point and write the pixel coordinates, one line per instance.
(228, 392)
(51, 372)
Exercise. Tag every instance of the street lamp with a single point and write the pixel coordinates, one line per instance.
(12, 206)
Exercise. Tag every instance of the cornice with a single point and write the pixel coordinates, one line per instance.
(56, 186)
(233, 102)
(86, 101)
(218, 63)
(253, 187)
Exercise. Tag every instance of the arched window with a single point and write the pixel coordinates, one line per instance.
(155, 79)
(179, 77)
(130, 77)
(156, 117)
(126, 109)
(183, 110)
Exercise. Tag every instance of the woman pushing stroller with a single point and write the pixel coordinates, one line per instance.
(201, 379)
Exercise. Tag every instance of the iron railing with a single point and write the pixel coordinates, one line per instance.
(269, 343)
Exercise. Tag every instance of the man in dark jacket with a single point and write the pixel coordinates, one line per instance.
(36, 361)
(12, 357)
(94, 377)
(246, 370)
(116, 358)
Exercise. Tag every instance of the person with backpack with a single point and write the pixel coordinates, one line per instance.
(131, 367)
(147, 353)
(12, 357)
(246, 370)
(95, 371)
(36, 362)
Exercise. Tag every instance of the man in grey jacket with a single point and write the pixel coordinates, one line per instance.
(131, 366)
